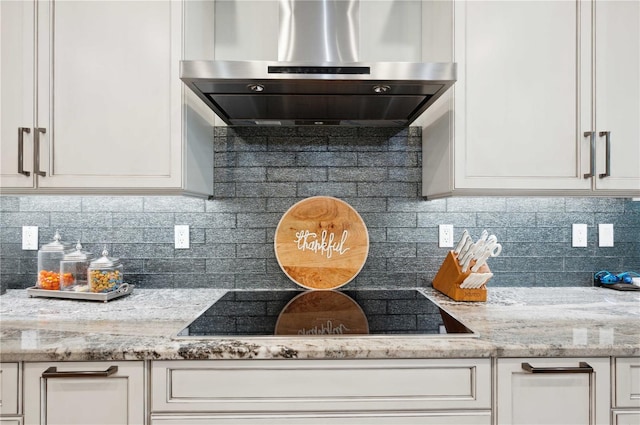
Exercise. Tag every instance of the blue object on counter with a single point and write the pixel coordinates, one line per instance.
(627, 277)
(621, 281)
(606, 277)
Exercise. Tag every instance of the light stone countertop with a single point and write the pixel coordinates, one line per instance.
(514, 322)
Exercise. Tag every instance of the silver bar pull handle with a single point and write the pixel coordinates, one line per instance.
(21, 131)
(582, 368)
(52, 372)
(607, 141)
(36, 151)
(592, 149)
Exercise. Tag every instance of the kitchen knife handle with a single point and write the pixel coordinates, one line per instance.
(592, 149)
(52, 372)
(607, 141)
(36, 151)
(21, 131)
(582, 368)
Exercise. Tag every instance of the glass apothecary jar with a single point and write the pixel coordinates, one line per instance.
(49, 257)
(105, 273)
(74, 269)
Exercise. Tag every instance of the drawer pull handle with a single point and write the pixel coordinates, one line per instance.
(21, 131)
(583, 368)
(52, 372)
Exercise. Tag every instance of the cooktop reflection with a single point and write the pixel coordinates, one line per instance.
(262, 313)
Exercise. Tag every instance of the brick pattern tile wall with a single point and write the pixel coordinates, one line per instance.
(261, 172)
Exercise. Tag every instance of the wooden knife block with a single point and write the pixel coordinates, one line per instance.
(450, 276)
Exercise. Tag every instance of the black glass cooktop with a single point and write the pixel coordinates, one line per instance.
(308, 313)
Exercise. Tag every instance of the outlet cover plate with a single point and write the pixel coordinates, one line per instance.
(181, 236)
(579, 237)
(30, 238)
(445, 236)
(605, 234)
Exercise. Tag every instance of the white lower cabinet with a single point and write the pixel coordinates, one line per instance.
(544, 391)
(626, 391)
(313, 392)
(434, 391)
(10, 412)
(84, 393)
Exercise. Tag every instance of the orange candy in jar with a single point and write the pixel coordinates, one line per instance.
(49, 256)
(51, 280)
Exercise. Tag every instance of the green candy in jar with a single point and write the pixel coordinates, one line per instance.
(105, 274)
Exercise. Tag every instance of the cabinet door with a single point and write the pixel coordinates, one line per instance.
(627, 382)
(518, 110)
(617, 93)
(551, 393)
(16, 93)
(109, 94)
(9, 389)
(84, 393)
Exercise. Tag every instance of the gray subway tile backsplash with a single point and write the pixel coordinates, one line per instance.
(261, 172)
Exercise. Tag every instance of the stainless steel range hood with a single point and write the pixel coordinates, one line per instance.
(318, 79)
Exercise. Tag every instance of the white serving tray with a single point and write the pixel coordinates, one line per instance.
(125, 289)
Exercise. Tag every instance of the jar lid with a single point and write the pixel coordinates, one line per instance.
(56, 245)
(105, 260)
(78, 254)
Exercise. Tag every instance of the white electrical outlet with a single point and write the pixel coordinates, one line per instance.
(445, 237)
(30, 237)
(579, 236)
(605, 234)
(181, 235)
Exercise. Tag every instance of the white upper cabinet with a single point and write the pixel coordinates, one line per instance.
(515, 110)
(100, 99)
(17, 117)
(617, 94)
(531, 88)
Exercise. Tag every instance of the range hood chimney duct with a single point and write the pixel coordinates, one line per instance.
(319, 31)
(318, 78)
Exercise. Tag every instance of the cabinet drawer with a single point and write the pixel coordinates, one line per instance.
(84, 393)
(626, 418)
(378, 418)
(627, 382)
(9, 388)
(320, 385)
(553, 391)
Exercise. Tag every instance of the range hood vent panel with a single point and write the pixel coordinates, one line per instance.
(317, 107)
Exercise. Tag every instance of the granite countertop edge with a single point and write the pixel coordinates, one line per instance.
(514, 322)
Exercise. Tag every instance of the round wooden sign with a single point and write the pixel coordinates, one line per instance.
(322, 313)
(321, 243)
